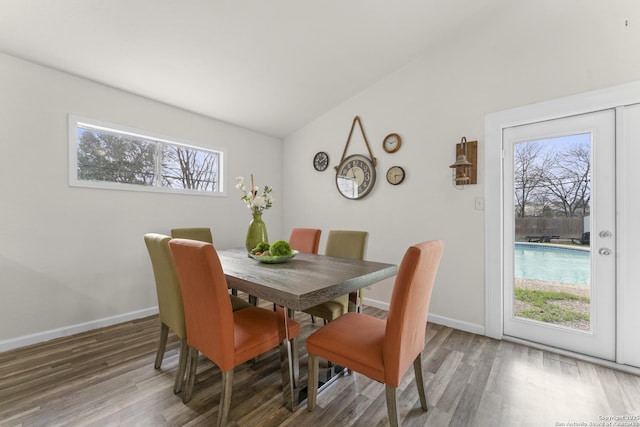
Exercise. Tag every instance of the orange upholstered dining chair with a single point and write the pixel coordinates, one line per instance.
(386, 348)
(227, 338)
(306, 240)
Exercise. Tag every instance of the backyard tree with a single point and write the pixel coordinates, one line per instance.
(529, 174)
(186, 168)
(553, 178)
(568, 181)
(104, 156)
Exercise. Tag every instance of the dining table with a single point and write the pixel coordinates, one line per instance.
(297, 284)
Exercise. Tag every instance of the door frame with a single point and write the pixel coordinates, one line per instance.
(599, 340)
(609, 98)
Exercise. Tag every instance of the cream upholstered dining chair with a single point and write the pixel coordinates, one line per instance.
(169, 302)
(170, 306)
(386, 348)
(203, 234)
(341, 244)
(225, 337)
(306, 240)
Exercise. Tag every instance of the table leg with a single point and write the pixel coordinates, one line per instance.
(358, 301)
(290, 367)
(293, 392)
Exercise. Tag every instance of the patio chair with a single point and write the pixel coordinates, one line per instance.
(584, 240)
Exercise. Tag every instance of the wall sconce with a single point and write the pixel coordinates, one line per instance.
(465, 169)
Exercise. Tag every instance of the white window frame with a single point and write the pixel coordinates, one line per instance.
(76, 121)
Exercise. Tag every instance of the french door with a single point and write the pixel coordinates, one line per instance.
(559, 218)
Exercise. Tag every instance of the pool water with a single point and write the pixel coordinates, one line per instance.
(552, 264)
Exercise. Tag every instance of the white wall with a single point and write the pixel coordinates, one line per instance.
(73, 256)
(531, 52)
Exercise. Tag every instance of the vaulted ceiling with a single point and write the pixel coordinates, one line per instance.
(267, 65)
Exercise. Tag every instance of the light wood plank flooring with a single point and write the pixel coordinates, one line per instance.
(106, 378)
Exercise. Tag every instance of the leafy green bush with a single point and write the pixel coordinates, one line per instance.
(280, 248)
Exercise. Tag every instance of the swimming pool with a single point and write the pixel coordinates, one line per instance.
(552, 263)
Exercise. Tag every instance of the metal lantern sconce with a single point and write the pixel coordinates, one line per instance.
(465, 171)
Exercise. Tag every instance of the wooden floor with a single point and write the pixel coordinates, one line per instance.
(106, 378)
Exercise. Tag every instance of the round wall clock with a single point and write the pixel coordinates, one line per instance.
(321, 161)
(395, 175)
(355, 176)
(391, 143)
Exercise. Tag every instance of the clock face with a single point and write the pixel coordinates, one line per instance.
(321, 161)
(395, 175)
(355, 176)
(391, 143)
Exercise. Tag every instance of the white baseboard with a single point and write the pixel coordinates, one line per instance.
(40, 337)
(460, 325)
(375, 303)
(434, 318)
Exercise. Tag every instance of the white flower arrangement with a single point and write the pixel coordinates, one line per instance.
(254, 202)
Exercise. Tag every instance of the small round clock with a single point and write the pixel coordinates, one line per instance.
(395, 175)
(321, 161)
(391, 143)
(355, 176)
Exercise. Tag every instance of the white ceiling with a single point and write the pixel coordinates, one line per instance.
(267, 65)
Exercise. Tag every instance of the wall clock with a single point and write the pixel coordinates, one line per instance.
(321, 161)
(391, 143)
(355, 176)
(395, 175)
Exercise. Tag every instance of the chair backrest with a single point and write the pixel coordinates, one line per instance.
(207, 306)
(167, 284)
(202, 234)
(407, 316)
(346, 244)
(305, 240)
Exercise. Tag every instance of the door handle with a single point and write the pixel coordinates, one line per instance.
(604, 251)
(605, 234)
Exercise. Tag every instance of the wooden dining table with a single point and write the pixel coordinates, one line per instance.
(300, 283)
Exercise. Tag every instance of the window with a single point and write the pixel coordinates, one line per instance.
(109, 156)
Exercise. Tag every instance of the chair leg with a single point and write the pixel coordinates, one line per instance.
(417, 367)
(392, 406)
(313, 319)
(225, 397)
(164, 334)
(182, 366)
(312, 384)
(191, 375)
